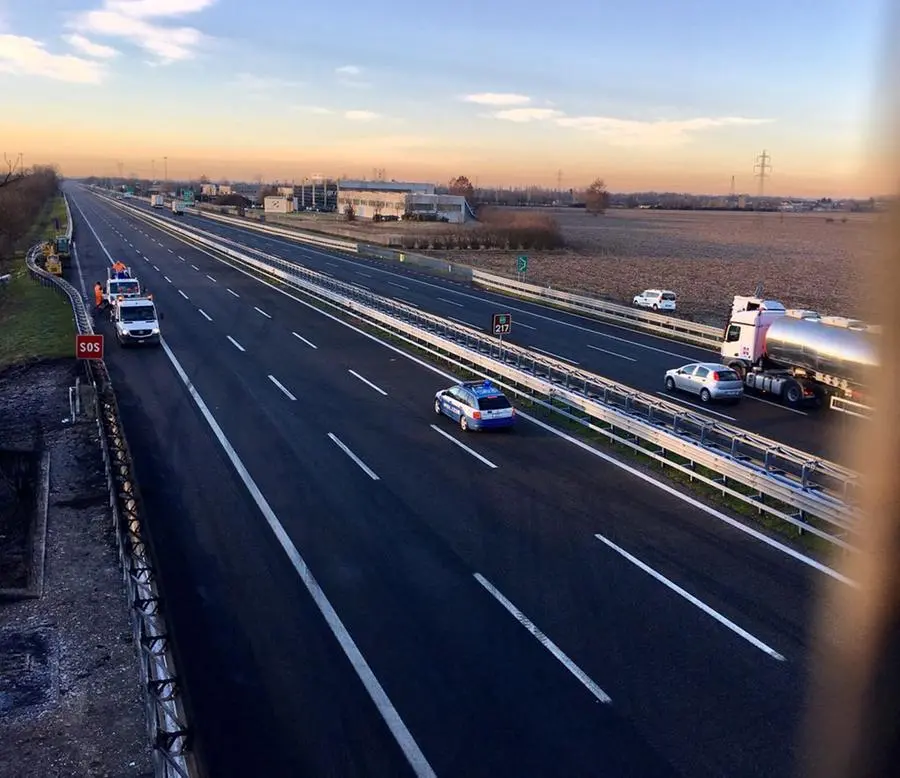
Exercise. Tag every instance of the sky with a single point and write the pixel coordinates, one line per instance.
(666, 95)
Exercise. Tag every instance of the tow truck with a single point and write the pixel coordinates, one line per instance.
(136, 321)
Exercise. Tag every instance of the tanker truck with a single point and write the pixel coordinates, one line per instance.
(801, 357)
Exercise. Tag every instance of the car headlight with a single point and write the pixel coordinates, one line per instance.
(154, 331)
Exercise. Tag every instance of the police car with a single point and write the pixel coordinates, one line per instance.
(476, 405)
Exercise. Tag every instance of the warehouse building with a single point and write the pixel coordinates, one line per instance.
(394, 199)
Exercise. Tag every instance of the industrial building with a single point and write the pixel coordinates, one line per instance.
(279, 204)
(394, 199)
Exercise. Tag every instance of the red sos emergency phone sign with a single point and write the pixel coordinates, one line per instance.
(89, 346)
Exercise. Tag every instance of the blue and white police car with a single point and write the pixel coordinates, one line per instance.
(476, 405)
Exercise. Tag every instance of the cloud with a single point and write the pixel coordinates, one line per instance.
(628, 132)
(128, 20)
(251, 83)
(523, 115)
(23, 56)
(361, 116)
(347, 76)
(497, 98)
(90, 48)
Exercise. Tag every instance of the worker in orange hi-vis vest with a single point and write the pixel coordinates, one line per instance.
(98, 294)
(119, 267)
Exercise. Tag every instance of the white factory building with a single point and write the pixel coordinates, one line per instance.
(396, 198)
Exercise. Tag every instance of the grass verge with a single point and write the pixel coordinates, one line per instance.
(36, 322)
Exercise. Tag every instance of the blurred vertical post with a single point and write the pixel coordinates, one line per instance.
(853, 714)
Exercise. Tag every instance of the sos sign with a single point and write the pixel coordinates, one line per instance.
(89, 346)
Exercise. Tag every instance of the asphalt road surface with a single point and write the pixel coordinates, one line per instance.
(356, 587)
(631, 357)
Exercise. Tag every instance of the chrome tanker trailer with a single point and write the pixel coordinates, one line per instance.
(800, 356)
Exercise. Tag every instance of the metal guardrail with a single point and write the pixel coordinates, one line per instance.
(810, 486)
(700, 334)
(169, 733)
(70, 226)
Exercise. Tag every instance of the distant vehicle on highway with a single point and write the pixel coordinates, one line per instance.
(709, 380)
(475, 405)
(657, 299)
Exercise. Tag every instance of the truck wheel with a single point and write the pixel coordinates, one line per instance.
(792, 393)
(670, 384)
(705, 396)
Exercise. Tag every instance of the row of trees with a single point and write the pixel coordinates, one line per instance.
(595, 197)
(22, 196)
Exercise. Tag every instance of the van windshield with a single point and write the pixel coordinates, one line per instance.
(138, 313)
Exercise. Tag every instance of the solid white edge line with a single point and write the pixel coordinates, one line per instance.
(183, 295)
(611, 353)
(367, 381)
(709, 510)
(463, 446)
(703, 408)
(235, 343)
(557, 652)
(80, 274)
(260, 310)
(204, 314)
(307, 342)
(362, 465)
(364, 672)
(693, 600)
(281, 386)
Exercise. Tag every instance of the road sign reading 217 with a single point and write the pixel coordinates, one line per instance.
(501, 323)
(89, 346)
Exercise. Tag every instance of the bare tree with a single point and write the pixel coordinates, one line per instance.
(11, 174)
(21, 199)
(596, 197)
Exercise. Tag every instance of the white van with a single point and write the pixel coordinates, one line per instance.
(657, 299)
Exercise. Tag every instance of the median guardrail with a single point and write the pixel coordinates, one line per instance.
(815, 491)
(169, 733)
(671, 326)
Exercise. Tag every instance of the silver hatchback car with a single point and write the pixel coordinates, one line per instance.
(710, 380)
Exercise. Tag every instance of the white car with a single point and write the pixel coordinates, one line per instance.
(657, 299)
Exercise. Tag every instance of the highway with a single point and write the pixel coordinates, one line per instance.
(631, 357)
(356, 587)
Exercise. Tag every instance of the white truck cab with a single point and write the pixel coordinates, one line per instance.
(120, 285)
(136, 321)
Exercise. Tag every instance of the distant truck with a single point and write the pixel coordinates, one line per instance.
(800, 356)
(157, 201)
(177, 207)
(136, 321)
